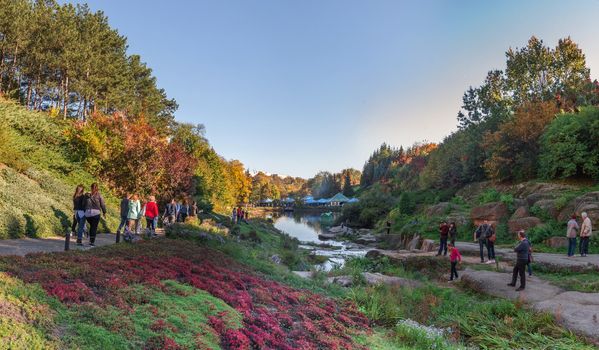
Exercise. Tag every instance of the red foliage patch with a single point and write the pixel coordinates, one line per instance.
(275, 316)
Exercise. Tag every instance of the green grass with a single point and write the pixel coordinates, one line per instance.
(37, 177)
(587, 282)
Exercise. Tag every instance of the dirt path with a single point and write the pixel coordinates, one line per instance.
(23, 246)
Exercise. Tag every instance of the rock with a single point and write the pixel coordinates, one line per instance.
(495, 283)
(414, 243)
(526, 223)
(492, 212)
(557, 242)
(578, 312)
(378, 278)
(326, 236)
(459, 218)
(375, 279)
(428, 245)
(589, 203)
(534, 198)
(276, 259)
(374, 254)
(338, 229)
(366, 239)
(439, 209)
(548, 205)
(303, 274)
(520, 213)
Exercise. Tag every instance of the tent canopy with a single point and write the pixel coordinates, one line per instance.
(339, 197)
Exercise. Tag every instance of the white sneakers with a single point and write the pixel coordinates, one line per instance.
(490, 261)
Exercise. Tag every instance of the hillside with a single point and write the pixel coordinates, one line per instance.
(37, 178)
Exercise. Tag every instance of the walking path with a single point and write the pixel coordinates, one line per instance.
(23, 246)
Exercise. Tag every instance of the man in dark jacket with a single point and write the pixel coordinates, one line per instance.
(522, 251)
(443, 233)
(480, 235)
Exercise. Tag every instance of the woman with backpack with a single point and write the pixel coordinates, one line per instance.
(79, 213)
(94, 208)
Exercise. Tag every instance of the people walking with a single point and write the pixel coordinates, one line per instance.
(571, 233)
(491, 238)
(78, 225)
(133, 216)
(482, 232)
(151, 214)
(454, 258)
(183, 211)
(124, 213)
(193, 209)
(522, 255)
(586, 230)
(234, 215)
(453, 233)
(94, 208)
(443, 234)
(170, 212)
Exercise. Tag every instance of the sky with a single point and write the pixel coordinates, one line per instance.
(296, 87)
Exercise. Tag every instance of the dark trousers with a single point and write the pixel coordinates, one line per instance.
(529, 266)
(481, 244)
(584, 245)
(123, 223)
(454, 271)
(571, 246)
(93, 227)
(520, 269)
(443, 246)
(491, 250)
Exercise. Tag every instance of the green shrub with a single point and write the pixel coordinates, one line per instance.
(488, 196)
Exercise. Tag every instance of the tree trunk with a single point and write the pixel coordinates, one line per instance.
(65, 96)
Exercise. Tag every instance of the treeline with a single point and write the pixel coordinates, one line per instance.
(538, 118)
(67, 59)
(108, 113)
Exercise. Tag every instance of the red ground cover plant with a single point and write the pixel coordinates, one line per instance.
(275, 316)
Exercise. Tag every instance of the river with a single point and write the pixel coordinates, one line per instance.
(306, 226)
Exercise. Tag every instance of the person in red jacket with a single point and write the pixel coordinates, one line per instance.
(151, 215)
(454, 258)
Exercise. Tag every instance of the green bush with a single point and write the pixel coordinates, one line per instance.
(488, 196)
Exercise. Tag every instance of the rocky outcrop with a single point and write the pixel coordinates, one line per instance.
(520, 213)
(525, 224)
(491, 212)
(589, 203)
(428, 245)
(439, 209)
(414, 243)
(557, 242)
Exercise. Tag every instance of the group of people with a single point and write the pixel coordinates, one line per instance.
(446, 231)
(90, 206)
(239, 215)
(573, 229)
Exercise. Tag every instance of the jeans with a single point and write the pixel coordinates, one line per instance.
(584, 245)
(519, 270)
(80, 228)
(123, 223)
(482, 243)
(454, 271)
(443, 246)
(571, 246)
(151, 224)
(93, 227)
(491, 250)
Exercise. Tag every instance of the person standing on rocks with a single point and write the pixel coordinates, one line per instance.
(480, 235)
(586, 230)
(453, 233)
(443, 233)
(571, 233)
(522, 253)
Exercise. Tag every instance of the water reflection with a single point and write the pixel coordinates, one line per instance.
(307, 226)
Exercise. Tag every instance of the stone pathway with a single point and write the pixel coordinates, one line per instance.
(23, 246)
(578, 312)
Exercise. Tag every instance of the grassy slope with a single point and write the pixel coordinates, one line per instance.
(37, 178)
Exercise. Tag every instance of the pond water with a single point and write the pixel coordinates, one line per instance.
(307, 226)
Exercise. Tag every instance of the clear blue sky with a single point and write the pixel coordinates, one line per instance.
(294, 87)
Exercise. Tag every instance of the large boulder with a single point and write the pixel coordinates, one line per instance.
(549, 206)
(520, 213)
(440, 209)
(525, 224)
(534, 198)
(491, 212)
(557, 242)
(428, 245)
(414, 243)
(589, 203)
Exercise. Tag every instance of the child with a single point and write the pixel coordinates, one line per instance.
(454, 258)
